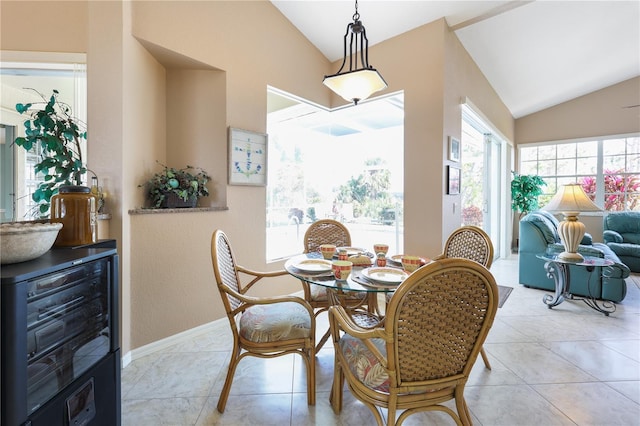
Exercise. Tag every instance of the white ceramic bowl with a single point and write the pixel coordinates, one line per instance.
(22, 241)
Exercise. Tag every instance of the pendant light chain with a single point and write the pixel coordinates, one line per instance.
(356, 16)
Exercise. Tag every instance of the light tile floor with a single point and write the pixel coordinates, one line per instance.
(564, 366)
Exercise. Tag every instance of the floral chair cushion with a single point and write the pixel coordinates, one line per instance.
(363, 364)
(275, 322)
(319, 293)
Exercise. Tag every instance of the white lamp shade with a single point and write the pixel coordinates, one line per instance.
(571, 198)
(354, 86)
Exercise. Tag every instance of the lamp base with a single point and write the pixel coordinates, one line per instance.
(570, 257)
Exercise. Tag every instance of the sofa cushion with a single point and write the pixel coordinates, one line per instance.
(545, 225)
(623, 223)
(630, 238)
(625, 249)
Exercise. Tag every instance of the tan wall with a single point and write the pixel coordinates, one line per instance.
(138, 56)
(600, 113)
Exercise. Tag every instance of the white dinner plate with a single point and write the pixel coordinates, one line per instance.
(397, 260)
(351, 251)
(313, 265)
(385, 275)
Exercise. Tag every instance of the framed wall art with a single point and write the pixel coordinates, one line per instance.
(454, 149)
(453, 180)
(247, 157)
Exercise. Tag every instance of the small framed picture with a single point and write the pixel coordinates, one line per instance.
(453, 180)
(454, 149)
(247, 157)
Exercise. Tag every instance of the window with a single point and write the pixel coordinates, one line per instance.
(345, 164)
(608, 169)
(42, 72)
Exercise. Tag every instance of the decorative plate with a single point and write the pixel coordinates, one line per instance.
(313, 265)
(397, 260)
(385, 275)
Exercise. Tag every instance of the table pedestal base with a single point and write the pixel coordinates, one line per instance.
(559, 272)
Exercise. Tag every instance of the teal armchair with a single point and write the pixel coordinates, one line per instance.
(622, 235)
(539, 234)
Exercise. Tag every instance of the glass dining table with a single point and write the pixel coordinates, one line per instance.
(339, 290)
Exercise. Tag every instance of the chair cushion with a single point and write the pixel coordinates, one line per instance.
(319, 294)
(275, 322)
(363, 364)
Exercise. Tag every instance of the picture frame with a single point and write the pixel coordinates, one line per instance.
(454, 149)
(453, 180)
(247, 157)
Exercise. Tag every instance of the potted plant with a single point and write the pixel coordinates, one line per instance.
(58, 134)
(525, 190)
(177, 188)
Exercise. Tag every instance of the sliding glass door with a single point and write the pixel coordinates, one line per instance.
(482, 195)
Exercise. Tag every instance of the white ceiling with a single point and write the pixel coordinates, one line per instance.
(535, 54)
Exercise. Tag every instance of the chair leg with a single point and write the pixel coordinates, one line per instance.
(233, 363)
(485, 358)
(335, 397)
(310, 358)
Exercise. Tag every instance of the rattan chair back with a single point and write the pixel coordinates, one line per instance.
(470, 242)
(436, 323)
(224, 268)
(439, 318)
(326, 231)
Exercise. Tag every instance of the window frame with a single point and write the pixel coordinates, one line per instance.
(557, 178)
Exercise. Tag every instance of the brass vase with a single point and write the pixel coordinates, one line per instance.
(75, 207)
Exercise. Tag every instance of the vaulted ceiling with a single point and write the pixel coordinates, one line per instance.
(535, 54)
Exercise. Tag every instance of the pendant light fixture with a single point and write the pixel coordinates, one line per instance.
(355, 84)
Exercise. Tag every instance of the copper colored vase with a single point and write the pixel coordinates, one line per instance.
(75, 208)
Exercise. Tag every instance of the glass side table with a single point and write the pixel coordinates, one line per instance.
(558, 269)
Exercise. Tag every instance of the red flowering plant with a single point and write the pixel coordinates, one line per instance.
(616, 186)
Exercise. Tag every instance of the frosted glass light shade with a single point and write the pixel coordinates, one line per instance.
(354, 86)
(570, 200)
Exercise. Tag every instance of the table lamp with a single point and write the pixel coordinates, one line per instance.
(570, 200)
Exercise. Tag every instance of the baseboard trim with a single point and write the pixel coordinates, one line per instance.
(167, 342)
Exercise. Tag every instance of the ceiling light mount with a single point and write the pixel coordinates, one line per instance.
(355, 84)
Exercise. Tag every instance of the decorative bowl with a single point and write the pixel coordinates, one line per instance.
(22, 241)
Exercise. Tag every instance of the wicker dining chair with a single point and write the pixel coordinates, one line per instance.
(264, 327)
(423, 352)
(328, 231)
(470, 242)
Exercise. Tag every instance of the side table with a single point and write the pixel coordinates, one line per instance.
(558, 269)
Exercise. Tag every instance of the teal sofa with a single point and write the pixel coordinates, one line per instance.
(622, 235)
(539, 234)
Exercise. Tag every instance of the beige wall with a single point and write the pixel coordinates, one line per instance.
(600, 113)
(141, 58)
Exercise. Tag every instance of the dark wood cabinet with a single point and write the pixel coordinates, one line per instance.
(59, 348)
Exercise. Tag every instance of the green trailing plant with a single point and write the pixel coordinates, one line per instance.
(525, 190)
(186, 183)
(53, 129)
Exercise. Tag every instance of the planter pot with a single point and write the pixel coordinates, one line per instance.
(75, 208)
(173, 201)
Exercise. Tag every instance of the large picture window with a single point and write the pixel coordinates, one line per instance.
(345, 164)
(608, 169)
